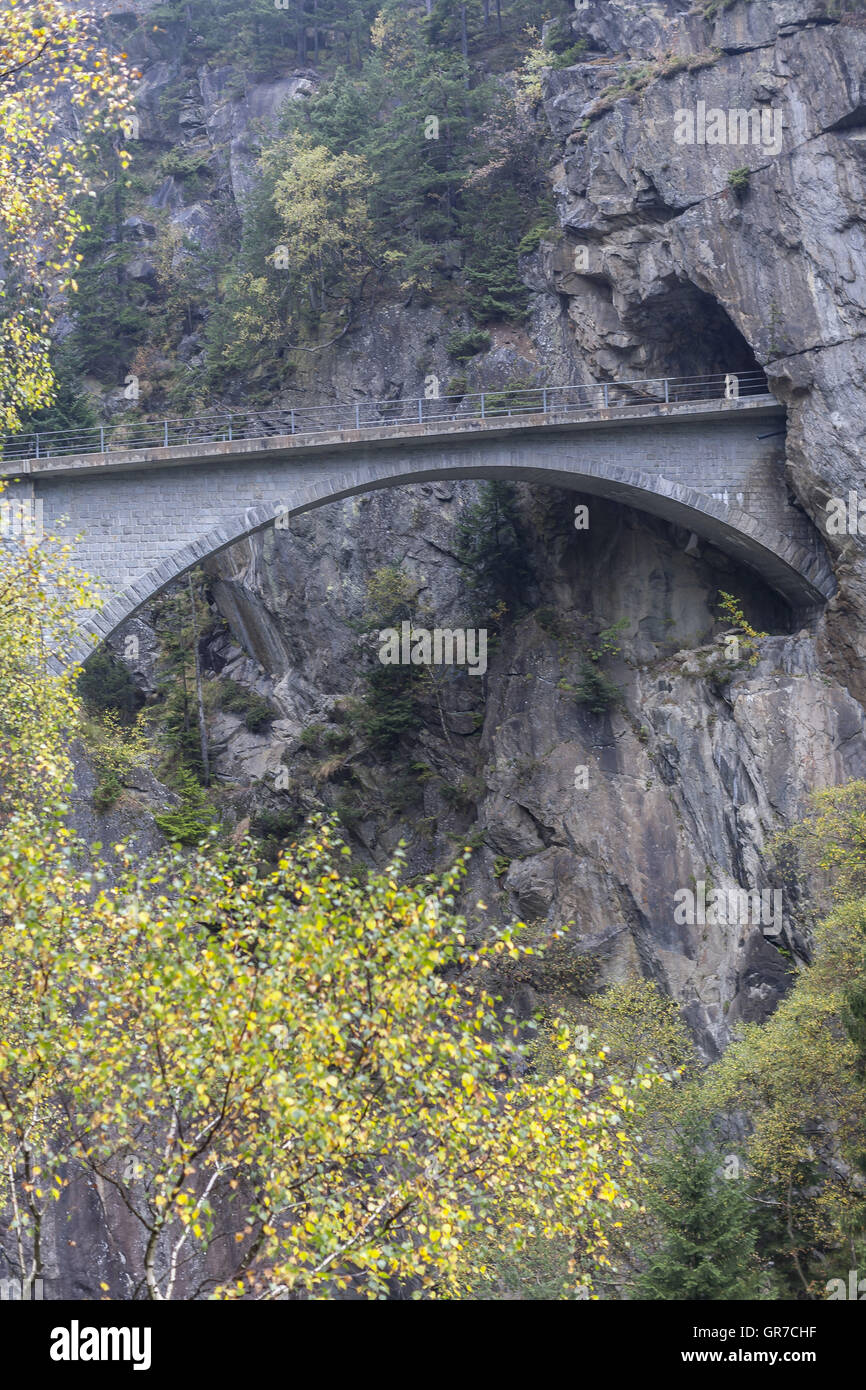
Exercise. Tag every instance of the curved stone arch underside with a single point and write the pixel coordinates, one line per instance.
(800, 573)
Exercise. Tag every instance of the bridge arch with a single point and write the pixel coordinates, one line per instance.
(794, 568)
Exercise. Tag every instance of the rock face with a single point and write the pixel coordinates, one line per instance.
(677, 258)
(685, 780)
(699, 254)
(597, 824)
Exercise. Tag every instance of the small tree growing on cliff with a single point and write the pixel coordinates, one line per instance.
(708, 1237)
(492, 550)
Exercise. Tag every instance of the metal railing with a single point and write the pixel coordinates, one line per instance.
(225, 426)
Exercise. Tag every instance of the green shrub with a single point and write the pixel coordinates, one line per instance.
(463, 345)
(311, 735)
(190, 822)
(336, 738)
(255, 711)
(388, 709)
(116, 751)
(492, 223)
(738, 180)
(608, 640)
(104, 685)
(543, 231)
(491, 548)
(571, 55)
(522, 396)
(596, 690)
(184, 164)
(273, 829)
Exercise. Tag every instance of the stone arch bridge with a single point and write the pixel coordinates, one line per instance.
(148, 501)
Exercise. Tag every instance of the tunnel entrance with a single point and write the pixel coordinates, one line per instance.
(690, 334)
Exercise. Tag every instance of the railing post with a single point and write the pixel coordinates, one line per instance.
(544, 400)
(482, 405)
(420, 410)
(667, 392)
(293, 420)
(165, 433)
(230, 429)
(37, 446)
(102, 439)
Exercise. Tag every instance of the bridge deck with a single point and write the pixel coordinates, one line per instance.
(155, 498)
(503, 425)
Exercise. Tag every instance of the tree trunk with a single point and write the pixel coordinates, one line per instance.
(202, 727)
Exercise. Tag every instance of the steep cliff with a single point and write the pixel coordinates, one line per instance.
(698, 258)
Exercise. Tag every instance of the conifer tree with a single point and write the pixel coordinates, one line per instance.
(491, 549)
(708, 1240)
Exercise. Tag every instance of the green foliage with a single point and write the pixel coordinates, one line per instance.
(596, 690)
(308, 248)
(854, 1022)
(462, 346)
(191, 167)
(191, 821)
(823, 856)
(117, 750)
(594, 687)
(389, 707)
(391, 597)
(176, 617)
(105, 685)
(273, 829)
(637, 1024)
(381, 177)
(739, 179)
(799, 1075)
(492, 223)
(542, 231)
(41, 596)
(311, 735)
(324, 1050)
(491, 549)
(568, 57)
(62, 95)
(564, 51)
(731, 609)
(608, 640)
(256, 712)
(707, 1252)
(711, 8)
(111, 318)
(71, 408)
(261, 38)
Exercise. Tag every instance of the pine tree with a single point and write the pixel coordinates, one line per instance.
(491, 549)
(71, 408)
(707, 1250)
